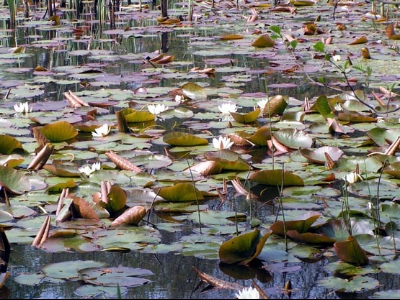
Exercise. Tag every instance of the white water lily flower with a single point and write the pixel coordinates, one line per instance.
(90, 169)
(248, 293)
(157, 109)
(227, 108)
(222, 142)
(262, 104)
(353, 177)
(22, 108)
(101, 131)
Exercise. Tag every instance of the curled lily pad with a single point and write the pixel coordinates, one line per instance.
(249, 117)
(14, 181)
(229, 160)
(275, 105)
(131, 216)
(184, 139)
(351, 252)
(116, 199)
(194, 91)
(139, 116)
(318, 156)
(263, 41)
(393, 169)
(261, 136)
(301, 225)
(8, 144)
(59, 131)
(243, 248)
(293, 138)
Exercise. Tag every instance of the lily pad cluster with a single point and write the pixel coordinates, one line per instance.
(91, 168)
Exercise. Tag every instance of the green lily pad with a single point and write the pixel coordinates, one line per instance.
(243, 248)
(249, 117)
(183, 139)
(14, 181)
(276, 177)
(68, 270)
(111, 276)
(182, 191)
(356, 284)
(293, 138)
(59, 131)
(8, 144)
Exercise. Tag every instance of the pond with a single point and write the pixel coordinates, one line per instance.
(208, 62)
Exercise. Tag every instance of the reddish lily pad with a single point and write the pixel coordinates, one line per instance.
(300, 225)
(351, 252)
(309, 238)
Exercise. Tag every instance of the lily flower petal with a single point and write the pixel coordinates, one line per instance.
(248, 293)
(222, 143)
(101, 131)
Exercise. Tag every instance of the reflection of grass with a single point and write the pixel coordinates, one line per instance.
(13, 13)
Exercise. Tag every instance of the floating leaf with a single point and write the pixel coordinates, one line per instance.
(301, 225)
(14, 181)
(350, 251)
(318, 155)
(361, 40)
(9, 144)
(116, 199)
(229, 160)
(183, 139)
(261, 136)
(309, 238)
(276, 177)
(139, 116)
(263, 41)
(131, 216)
(249, 117)
(59, 131)
(243, 248)
(182, 191)
(275, 105)
(356, 284)
(111, 276)
(228, 37)
(293, 138)
(194, 91)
